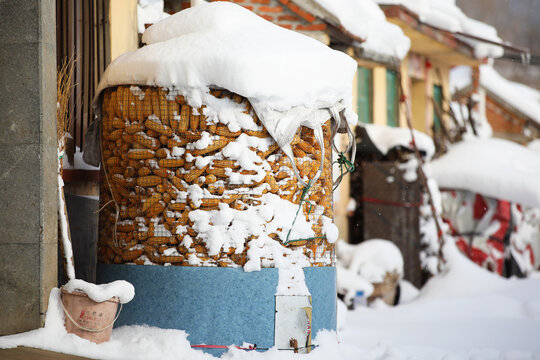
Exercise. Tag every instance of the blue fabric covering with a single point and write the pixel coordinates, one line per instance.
(217, 306)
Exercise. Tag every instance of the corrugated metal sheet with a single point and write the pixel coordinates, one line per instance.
(82, 33)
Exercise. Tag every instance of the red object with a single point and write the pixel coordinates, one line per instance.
(480, 207)
(480, 232)
(204, 346)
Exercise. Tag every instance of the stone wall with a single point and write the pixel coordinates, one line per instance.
(28, 180)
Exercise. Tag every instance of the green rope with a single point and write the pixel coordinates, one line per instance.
(304, 239)
(345, 166)
(305, 191)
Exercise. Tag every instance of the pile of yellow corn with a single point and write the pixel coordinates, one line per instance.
(145, 147)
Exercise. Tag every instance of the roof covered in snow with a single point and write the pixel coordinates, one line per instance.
(365, 20)
(224, 45)
(446, 15)
(493, 167)
(521, 98)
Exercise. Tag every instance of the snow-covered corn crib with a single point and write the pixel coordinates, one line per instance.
(216, 198)
(185, 192)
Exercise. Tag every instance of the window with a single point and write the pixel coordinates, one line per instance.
(437, 98)
(365, 95)
(392, 100)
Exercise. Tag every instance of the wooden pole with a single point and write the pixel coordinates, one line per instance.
(423, 177)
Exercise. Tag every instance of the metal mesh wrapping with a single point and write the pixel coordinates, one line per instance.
(148, 146)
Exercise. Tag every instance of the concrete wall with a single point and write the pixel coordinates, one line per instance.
(28, 183)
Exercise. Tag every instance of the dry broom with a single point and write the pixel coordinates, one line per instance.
(64, 88)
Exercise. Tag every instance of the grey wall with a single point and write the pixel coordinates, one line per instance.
(28, 182)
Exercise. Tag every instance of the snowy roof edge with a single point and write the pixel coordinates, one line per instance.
(457, 36)
(339, 29)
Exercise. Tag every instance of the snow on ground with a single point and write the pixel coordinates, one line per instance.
(493, 167)
(466, 313)
(534, 145)
(446, 15)
(371, 259)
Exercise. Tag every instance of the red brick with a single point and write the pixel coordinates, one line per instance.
(287, 18)
(271, 9)
(267, 17)
(286, 26)
(238, 1)
(264, 2)
(295, 9)
(249, 7)
(314, 27)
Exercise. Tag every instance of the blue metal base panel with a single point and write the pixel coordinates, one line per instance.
(216, 306)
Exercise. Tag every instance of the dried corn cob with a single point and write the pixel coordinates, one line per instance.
(171, 162)
(163, 109)
(158, 128)
(155, 209)
(140, 154)
(184, 118)
(232, 164)
(193, 122)
(150, 180)
(151, 201)
(176, 143)
(131, 255)
(224, 131)
(147, 103)
(216, 145)
(194, 173)
(162, 153)
(146, 140)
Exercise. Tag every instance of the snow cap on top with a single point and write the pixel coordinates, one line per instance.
(366, 20)
(121, 289)
(223, 45)
(494, 167)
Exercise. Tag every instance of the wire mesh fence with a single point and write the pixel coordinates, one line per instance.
(164, 159)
